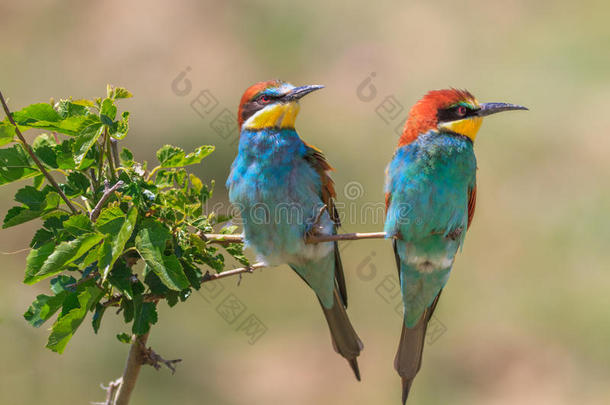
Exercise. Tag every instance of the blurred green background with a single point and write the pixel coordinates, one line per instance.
(525, 316)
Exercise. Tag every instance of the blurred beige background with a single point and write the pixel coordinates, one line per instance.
(525, 316)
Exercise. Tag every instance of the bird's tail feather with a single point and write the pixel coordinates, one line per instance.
(410, 350)
(344, 338)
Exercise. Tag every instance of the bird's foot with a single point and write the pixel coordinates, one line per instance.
(315, 229)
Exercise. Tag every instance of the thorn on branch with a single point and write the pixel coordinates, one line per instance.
(150, 357)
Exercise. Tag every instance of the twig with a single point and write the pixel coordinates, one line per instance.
(222, 238)
(111, 389)
(30, 152)
(249, 269)
(110, 159)
(135, 360)
(155, 360)
(102, 146)
(107, 193)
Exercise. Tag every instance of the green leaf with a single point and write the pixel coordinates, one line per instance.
(87, 137)
(115, 243)
(44, 116)
(110, 220)
(69, 108)
(124, 338)
(236, 250)
(35, 113)
(77, 184)
(172, 156)
(43, 308)
(145, 314)
(192, 273)
(121, 92)
(41, 237)
(68, 322)
(108, 109)
(16, 164)
(150, 243)
(120, 278)
(7, 133)
(36, 203)
(78, 225)
(61, 256)
(119, 131)
(126, 158)
(97, 316)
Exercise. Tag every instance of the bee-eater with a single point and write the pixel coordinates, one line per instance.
(283, 189)
(430, 199)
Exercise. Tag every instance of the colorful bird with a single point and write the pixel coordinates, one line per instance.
(430, 199)
(282, 187)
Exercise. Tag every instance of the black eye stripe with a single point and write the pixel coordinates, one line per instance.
(453, 113)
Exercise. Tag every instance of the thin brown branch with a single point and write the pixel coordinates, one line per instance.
(135, 360)
(249, 269)
(221, 238)
(110, 159)
(100, 204)
(111, 390)
(30, 152)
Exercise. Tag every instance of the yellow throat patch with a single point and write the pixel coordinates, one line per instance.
(467, 127)
(282, 115)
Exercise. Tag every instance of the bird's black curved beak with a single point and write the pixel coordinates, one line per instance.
(492, 108)
(299, 92)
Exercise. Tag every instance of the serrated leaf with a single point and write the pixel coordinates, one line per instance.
(87, 137)
(78, 225)
(120, 278)
(37, 203)
(16, 164)
(145, 314)
(122, 126)
(41, 237)
(7, 133)
(115, 243)
(62, 255)
(173, 156)
(108, 109)
(67, 323)
(150, 243)
(34, 113)
(121, 92)
(43, 308)
(110, 220)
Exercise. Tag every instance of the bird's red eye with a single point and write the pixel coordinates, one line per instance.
(461, 111)
(264, 99)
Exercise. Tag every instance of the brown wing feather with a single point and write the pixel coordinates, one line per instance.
(316, 159)
(472, 202)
